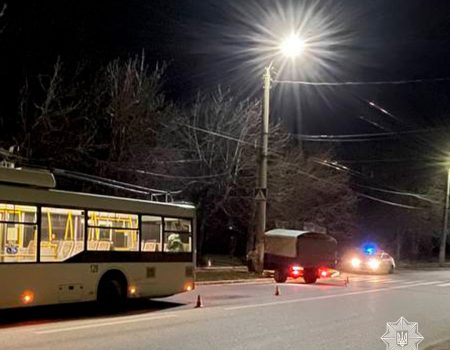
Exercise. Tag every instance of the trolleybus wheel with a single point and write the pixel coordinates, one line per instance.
(112, 291)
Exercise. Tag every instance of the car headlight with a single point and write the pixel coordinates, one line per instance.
(356, 262)
(374, 264)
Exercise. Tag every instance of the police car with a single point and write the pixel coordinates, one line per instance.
(369, 259)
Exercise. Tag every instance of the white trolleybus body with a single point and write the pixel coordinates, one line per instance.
(63, 247)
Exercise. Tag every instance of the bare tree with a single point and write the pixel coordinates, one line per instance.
(55, 127)
(216, 134)
(219, 136)
(2, 14)
(133, 110)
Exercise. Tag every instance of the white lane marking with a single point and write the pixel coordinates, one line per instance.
(431, 282)
(323, 297)
(443, 285)
(368, 279)
(412, 282)
(392, 281)
(381, 280)
(104, 324)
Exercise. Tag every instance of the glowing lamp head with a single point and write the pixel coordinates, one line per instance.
(374, 264)
(292, 46)
(356, 262)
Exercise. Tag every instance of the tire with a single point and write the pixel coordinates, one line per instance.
(280, 276)
(310, 276)
(391, 269)
(112, 292)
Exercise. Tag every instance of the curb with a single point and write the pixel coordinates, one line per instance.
(247, 280)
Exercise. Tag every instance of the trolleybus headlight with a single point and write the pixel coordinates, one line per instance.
(356, 262)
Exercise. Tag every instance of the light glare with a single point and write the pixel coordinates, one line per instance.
(356, 262)
(374, 264)
(293, 46)
(27, 297)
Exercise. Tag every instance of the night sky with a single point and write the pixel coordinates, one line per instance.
(211, 42)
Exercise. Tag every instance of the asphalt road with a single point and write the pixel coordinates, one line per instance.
(327, 315)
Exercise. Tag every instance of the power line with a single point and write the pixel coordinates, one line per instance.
(336, 166)
(145, 172)
(364, 136)
(386, 202)
(333, 164)
(214, 133)
(340, 167)
(374, 134)
(386, 160)
(359, 83)
(409, 194)
(154, 193)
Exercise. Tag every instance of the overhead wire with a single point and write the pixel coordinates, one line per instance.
(310, 175)
(146, 172)
(359, 83)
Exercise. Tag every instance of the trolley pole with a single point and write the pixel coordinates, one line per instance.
(443, 247)
(261, 189)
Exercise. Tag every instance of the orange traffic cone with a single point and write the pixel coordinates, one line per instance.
(347, 281)
(277, 291)
(199, 302)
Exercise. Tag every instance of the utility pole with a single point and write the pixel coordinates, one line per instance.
(442, 249)
(261, 189)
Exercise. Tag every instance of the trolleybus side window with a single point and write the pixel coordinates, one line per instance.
(18, 233)
(112, 231)
(62, 233)
(151, 233)
(177, 235)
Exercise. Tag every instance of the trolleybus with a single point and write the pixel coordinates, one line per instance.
(64, 247)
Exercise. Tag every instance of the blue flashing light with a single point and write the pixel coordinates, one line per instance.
(369, 248)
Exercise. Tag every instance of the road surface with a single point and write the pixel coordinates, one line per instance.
(327, 315)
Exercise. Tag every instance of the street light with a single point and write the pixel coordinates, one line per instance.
(443, 246)
(291, 47)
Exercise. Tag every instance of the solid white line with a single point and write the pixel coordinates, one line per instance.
(369, 279)
(369, 291)
(431, 282)
(104, 324)
(392, 281)
(443, 285)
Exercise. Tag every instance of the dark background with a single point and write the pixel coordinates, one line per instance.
(206, 43)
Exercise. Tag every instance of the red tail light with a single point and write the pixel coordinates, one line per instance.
(324, 272)
(296, 271)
